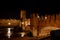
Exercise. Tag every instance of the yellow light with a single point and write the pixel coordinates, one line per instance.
(26, 23)
(37, 16)
(9, 23)
(45, 17)
(22, 22)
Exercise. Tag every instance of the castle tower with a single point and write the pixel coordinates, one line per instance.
(34, 23)
(23, 17)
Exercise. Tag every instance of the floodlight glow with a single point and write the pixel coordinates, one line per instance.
(45, 17)
(9, 32)
(37, 16)
(9, 23)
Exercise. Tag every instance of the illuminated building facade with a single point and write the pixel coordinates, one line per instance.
(43, 21)
(24, 21)
(35, 23)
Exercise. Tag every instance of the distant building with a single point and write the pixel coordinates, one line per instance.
(9, 22)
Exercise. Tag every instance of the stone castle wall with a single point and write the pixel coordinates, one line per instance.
(44, 21)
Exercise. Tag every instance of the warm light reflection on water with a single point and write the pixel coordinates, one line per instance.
(22, 34)
(9, 32)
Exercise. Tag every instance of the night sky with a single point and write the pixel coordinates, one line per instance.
(12, 9)
(8, 13)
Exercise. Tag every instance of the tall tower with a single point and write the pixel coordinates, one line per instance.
(23, 14)
(34, 23)
(23, 17)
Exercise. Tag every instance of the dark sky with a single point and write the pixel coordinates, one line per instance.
(12, 9)
(9, 13)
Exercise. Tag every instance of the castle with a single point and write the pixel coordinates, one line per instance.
(35, 23)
